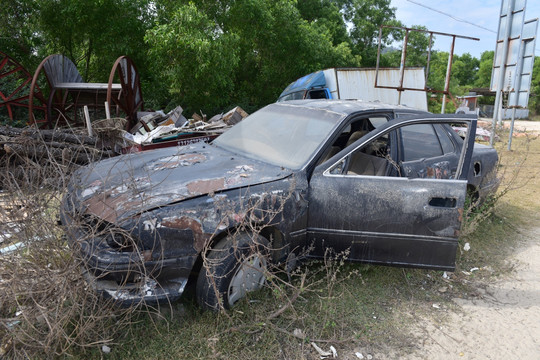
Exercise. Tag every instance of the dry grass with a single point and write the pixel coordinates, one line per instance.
(47, 310)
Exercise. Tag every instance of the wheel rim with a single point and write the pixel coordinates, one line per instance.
(248, 277)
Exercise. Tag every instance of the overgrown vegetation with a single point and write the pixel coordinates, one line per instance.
(47, 308)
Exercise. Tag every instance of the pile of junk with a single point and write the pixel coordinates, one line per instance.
(157, 129)
(68, 121)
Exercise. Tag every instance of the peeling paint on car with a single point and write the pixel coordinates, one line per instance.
(186, 222)
(199, 187)
(141, 221)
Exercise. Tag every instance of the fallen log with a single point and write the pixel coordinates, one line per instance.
(60, 154)
(48, 135)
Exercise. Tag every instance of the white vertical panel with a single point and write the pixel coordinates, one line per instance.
(515, 20)
(360, 84)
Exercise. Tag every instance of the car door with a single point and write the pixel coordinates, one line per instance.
(425, 149)
(378, 218)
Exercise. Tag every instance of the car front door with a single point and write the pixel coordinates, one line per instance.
(356, 206)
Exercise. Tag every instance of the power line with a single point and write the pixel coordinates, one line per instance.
(452, 16)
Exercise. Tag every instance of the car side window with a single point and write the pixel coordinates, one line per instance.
(420, 142)
(351, 133)
(446, 143)
(423, 147)
(372, 159)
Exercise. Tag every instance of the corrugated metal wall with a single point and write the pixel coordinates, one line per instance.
(360, 84)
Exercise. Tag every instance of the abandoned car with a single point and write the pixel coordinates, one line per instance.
(385, 183)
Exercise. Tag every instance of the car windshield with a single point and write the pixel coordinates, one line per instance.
(283, 135)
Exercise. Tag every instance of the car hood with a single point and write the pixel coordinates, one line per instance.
(119, 188)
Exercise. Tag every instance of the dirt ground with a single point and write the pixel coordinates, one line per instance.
(524, 125)
(503, 322)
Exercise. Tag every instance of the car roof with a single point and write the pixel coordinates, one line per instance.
(345, 107)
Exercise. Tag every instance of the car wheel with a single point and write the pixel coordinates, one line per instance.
(234, 267)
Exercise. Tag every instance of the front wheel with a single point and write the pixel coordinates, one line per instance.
(234, 267)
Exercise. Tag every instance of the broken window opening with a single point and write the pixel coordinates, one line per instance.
(353, 132)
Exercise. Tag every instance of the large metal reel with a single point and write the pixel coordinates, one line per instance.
(55, 70)
(15, 91)
(129, 99)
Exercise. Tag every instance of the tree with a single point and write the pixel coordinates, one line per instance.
(436, 81)
(19, 31)
(417, 48)
(465, 68)
(534, 103)
(220, 53)
(483, 76)
(197, 61)
(365, 18)
(326, 15)
(93, 34)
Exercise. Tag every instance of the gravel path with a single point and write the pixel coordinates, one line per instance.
(502, 323)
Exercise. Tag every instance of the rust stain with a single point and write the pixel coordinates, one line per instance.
(460, 212)
(205, 186)
(438, 171)
(238, 218)
(147, 255)
(184, 223)
(103, 206)
(107, 207)
(95, 183)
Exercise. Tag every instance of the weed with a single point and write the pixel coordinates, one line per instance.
(350, 306)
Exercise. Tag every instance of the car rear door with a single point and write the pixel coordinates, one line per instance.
(383, 219)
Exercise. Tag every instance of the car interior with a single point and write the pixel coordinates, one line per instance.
(425, 151)
(372, 159)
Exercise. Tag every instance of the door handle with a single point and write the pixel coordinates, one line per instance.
(443, 202)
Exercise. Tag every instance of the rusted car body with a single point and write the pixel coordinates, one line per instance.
(312, 174)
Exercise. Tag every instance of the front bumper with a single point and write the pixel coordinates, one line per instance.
(128, 277)
(146, 291)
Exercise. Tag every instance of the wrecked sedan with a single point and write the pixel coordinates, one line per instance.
(384, 183)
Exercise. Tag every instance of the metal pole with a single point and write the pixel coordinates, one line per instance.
(402, 65)
(378, 57)
(443, 106)
(448, 72)
(502, 70)
(511, 129)
(517, 89)
(107, 110)
(88, 123)
(429, 56)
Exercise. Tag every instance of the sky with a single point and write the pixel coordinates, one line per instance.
(484, 13)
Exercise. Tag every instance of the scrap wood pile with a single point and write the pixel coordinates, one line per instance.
(25, 153)
(29, 153)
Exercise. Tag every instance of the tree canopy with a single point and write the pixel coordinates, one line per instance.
(211, 55)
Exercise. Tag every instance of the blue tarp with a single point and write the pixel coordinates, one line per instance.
(310, 81)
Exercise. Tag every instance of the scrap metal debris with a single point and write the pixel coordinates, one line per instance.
(325, 354)
(20, 147)
(157, 129)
